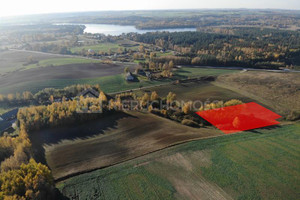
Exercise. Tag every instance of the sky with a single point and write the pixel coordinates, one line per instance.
(24, 7)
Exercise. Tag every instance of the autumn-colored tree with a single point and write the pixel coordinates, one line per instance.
(31, 181)
(213, 105)
(166, 74)
(145, 56)
(220, 104)
(150, 108)
(97, 87)
(142, 49)
(58, 113)
(160, 66)
(196, 61)
(18, 96)
(232, 102)
(120, 50)
(164, 112)
(171, 64)
(187, 107)
(27, 95)
(10, 97)
(154, 96)
(236, 122)
(126, 70)
(171, 97)
(136, 56)
(166, 66)
(102, 97)
(152, 55)
(51, 99)
(152, 66)
(145, 99)
(2, 98)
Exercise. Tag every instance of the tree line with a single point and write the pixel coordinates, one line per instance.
(21, 177)
(258, 48)
(44, 96)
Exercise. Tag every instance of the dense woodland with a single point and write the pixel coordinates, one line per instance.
(245, 47)
(41, 37)
(210, 45)
(21, 177)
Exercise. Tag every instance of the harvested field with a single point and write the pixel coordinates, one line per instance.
(62, 61)
(108, 46)
(192, 72)
(202, 90)
(108, 141)
(280, 91)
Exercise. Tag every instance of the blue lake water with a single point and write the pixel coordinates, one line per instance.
(116, 30)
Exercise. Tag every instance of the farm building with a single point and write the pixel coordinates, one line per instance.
(91, 51)
(10, 115)
(140, 72)
(89, 93)
(149, 75)
(129, 77)
(8, 119)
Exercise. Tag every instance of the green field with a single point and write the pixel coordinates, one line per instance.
(203, 91)
(190, 72)
(262, 164)
(109, 84)
(105, 47)
(159, 54)
(61, 61)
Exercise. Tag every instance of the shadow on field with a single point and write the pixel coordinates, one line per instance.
(80, 131)
(258, 130)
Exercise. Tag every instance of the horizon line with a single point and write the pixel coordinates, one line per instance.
(185, 9)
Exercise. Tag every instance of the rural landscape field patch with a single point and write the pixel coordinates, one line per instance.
(265, 163)
(120, 137)
(195, 104)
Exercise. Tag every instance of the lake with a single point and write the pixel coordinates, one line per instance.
(116, 30)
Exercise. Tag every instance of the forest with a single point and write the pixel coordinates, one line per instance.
(245, 47)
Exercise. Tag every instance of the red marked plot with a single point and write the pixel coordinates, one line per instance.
(238, 118)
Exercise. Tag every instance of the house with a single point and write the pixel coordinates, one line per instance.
(8, 119)
(129, 77)
(140, 72)
(149, 75)
(91, 51)
(89, 93)
(10, 115)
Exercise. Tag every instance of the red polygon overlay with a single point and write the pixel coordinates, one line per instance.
(241, 117)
